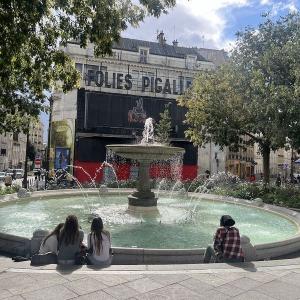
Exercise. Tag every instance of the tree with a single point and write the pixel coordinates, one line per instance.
(164, 127)
(254, 98)
(32, 34)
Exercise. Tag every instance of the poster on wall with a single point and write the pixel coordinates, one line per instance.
(61, 139)
(62, 158)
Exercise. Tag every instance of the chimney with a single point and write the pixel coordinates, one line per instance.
(161, 38)
(175, 43)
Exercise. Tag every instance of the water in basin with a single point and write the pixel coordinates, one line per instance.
(180, 223)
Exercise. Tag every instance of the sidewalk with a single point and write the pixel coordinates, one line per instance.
(263, 280)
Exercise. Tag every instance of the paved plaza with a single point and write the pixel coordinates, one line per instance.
(264, 280)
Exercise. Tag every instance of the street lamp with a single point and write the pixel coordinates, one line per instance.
(47, 158)
(24, 182)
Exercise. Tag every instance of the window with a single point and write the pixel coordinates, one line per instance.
(190, 61)
(78, 67)
(143, 56)
(3, 152)
(15, 136)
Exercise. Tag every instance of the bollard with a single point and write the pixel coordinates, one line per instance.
(36, 240)
(248, 248)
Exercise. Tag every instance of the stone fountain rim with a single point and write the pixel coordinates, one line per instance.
(264, 251)
(144, 145)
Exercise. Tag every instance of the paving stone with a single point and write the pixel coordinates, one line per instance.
(20, 283)
(121, 291)
(4, 294)
(230, 276)
(252, 295)
(167, 279)
(171, 292)
(130, 277)
(48, 278)
(278, 273)
(292, 278)
(85, 285)
(10, 282)
(279, 290)
(196, 285)
(229, 290)
(109, 280)
(7, 275)
(245, 283)
(296, 270)
(210, 279)
(214, 295)
(72, 277)
(58, 292)
(99, 295)
(143, 285)
(260, 276)
(15, 298)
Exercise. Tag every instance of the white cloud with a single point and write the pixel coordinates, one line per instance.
(192, 23)
(204, 23)
(282, 6)
(265, 2)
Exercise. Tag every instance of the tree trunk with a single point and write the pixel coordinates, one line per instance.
(292, 167)
(47, 158)
(24, 182)
(266, 163)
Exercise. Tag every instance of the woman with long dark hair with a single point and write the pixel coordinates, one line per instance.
(99, 244)
(50, 242)
(70, 240)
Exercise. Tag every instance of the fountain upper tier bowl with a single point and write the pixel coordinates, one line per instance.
(145, 152)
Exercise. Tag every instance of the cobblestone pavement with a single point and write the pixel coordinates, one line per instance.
(260, 280)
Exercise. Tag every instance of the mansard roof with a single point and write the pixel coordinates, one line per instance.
(157, 48)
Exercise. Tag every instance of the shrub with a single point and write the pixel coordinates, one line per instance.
(9, 190)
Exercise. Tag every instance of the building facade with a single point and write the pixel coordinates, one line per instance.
(36, 133)
(240, 163)
(117, 94)
(280, 163)
(12, 150)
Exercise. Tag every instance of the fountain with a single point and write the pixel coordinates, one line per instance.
(145, 153)
(177, 233)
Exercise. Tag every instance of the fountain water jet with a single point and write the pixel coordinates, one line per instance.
(146, 152)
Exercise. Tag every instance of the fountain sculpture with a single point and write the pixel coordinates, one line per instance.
(145, 153)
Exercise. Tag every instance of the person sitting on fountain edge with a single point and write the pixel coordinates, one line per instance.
(99, 244)
(70, 241)
(227, 243)
(50, 242)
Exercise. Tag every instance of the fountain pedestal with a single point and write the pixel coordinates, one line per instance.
(143, 196)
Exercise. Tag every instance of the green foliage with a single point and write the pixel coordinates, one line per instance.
(244, 190)
(288, 196)
(31, 59)
(164, 127)
(255, 95)
(9, 190)
(122, 184)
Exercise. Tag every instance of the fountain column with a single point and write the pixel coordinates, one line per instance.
(143, 195)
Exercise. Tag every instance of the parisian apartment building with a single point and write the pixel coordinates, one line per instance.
(13, 146)
(36, 137)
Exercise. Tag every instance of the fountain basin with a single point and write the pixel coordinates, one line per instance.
(145, 152)
(15, 243)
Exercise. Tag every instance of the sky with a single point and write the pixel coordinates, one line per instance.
(209, 24)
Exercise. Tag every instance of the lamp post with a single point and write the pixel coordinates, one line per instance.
(24, 182)
(49, 141)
